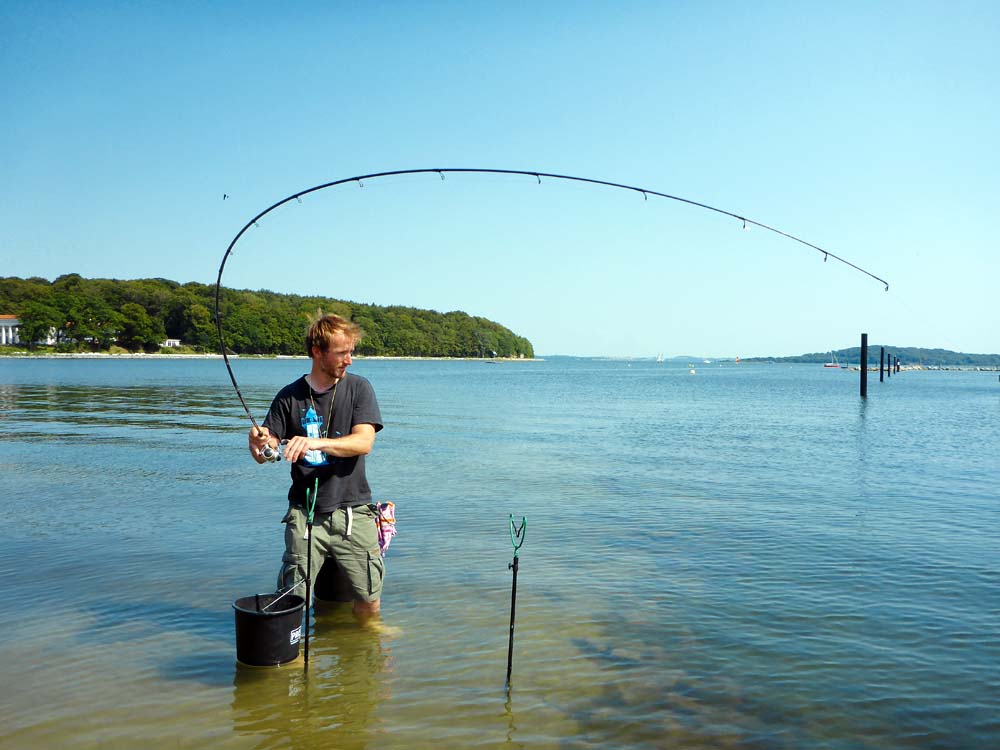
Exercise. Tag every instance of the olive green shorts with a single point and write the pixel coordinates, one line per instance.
(347, 537)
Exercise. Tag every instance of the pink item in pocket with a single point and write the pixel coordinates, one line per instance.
(386, 525)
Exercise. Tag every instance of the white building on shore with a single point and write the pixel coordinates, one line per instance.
(10, 328)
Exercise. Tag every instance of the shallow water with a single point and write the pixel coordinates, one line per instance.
(747, 557)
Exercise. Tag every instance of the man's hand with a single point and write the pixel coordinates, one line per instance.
(297, 447)
(257, 440)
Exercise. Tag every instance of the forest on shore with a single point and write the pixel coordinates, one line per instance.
(80, 314)
(907, 355)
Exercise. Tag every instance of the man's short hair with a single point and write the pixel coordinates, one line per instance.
(325, 327)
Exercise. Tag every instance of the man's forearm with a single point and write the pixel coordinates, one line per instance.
(347, 446)
(358, 443)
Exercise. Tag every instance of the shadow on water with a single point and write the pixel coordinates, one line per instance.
(671, 700)
(700, 686)
(210, 668)
(332, 704)
(190, 629)
(118, 621)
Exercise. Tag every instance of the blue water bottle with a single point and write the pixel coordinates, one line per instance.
(312, 423)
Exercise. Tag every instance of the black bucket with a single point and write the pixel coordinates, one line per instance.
(268, 636)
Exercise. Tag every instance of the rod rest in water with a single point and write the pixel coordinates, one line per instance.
(517, 534)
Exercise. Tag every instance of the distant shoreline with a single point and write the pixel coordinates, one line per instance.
(137, 355)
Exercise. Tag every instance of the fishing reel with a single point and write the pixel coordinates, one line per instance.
(272, 455)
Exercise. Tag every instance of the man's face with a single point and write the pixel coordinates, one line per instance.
(337, 358)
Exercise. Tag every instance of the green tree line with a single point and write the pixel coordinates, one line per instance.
(909, 355)
(138, 315)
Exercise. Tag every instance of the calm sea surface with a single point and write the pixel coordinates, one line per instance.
(746, 557)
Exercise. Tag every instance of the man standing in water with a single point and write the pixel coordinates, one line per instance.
(329, 419)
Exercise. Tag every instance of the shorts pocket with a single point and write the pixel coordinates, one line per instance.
(294, 521)
(376, 573)
(288, 575)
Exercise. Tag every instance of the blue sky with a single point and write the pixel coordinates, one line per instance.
(869, 129)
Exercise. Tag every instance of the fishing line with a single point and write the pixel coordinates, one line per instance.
(360, 179)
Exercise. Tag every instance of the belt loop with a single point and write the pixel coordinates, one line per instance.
(350, 520)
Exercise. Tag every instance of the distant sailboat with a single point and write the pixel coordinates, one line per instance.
(835, 363)
(659, 358)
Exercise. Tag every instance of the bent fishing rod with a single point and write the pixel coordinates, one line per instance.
(360, 179)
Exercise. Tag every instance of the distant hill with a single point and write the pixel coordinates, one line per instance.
(142, 314)
(908, 355)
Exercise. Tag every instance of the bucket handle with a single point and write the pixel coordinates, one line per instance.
(285, 592)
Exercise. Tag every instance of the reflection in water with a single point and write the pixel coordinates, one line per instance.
(511, 726)
(50, 408)
(333, 704)
(862, 486)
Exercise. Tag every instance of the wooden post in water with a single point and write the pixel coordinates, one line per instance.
(889, 368)
(881, 364)
(864, 365)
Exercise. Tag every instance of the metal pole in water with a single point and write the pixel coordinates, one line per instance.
(310, 507)
(864, 365)
(513, 604)
(309, 560)
(516, 539)
(881, 364)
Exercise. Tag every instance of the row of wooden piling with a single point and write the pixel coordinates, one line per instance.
(886, 365)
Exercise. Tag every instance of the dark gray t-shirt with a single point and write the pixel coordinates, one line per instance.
(342, 481)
